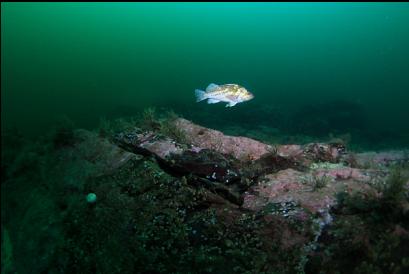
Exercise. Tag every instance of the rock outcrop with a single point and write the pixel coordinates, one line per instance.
(252, 174)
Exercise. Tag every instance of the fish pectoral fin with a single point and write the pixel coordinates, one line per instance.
(212, 101)
(231, 104)
(211, 87)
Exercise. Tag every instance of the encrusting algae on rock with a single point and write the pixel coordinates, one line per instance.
(218, 201)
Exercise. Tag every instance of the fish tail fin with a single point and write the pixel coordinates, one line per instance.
(200, 95)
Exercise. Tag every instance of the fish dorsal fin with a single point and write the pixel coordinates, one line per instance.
(212, 87)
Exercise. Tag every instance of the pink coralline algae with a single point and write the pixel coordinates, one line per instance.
(239, 147)
(344, 173)
(254, 174)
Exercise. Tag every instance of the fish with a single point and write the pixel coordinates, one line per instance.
(232, 94)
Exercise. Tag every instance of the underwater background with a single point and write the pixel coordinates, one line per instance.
(109, 165)
(346, 65)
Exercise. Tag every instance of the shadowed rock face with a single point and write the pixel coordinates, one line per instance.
(208, 164)
(148, 143)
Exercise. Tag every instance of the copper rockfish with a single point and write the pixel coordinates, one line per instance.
(229, 93)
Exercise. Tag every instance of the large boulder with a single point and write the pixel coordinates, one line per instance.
(255, 175)
(246, 149)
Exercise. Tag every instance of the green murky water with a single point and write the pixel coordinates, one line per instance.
(94, 201)
(93, 60)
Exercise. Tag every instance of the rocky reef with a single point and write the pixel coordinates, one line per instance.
(176, 197)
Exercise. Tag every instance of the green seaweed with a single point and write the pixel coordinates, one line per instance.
(148, 119)
(171, 130)
(373, 228)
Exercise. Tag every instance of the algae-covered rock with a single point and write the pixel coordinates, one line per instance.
(315, 190)
(105, 156)
(239, 147)
(223, 204)
(381, 159)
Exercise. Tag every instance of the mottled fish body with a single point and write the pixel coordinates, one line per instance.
(232, 94)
